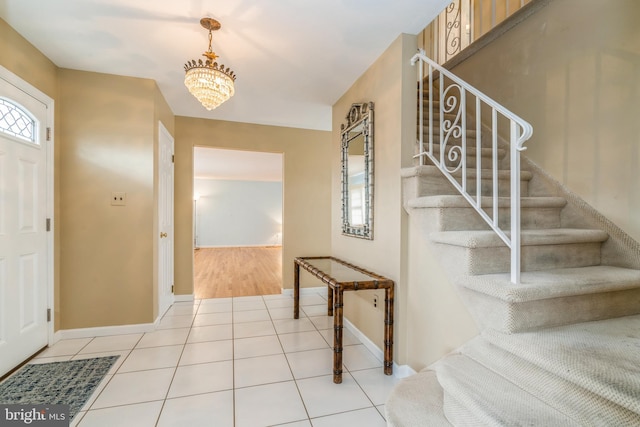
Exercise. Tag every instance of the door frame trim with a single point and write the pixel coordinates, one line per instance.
(49, 103)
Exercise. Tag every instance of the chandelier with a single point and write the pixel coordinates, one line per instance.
(209, 82)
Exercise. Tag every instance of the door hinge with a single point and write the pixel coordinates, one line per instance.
(173, 158)
(48, 224)
(171, 288)
(48, 134)
(48, 315)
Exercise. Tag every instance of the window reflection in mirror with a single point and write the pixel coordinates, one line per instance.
(356, 180)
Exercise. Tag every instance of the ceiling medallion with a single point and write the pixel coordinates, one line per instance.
(209, 82)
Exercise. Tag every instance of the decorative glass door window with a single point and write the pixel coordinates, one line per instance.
(16, 122)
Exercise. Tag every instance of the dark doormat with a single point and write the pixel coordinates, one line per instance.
(68, 383)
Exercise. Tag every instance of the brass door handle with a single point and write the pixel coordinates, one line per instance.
(163, 235)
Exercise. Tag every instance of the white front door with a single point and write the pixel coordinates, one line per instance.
(165, 220)
(23, 235)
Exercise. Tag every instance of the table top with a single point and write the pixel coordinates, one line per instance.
(340, 271)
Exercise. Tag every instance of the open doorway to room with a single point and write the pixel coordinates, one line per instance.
(237, 222)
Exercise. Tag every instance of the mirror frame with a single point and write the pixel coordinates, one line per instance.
(359, 115)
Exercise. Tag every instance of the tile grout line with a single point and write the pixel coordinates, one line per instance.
(233, 362)
(175, 371)
(295, 380)
(316, 328)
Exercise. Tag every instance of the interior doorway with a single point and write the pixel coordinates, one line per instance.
(238, 219)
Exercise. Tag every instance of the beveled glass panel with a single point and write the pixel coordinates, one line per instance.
(16, 122)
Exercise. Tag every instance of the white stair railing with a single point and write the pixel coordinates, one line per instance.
(450, 141)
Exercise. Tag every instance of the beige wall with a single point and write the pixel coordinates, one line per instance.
(573, 70)
(106, 138)
(23, 59)
(430, 320)
(306, 187)
(381, 84)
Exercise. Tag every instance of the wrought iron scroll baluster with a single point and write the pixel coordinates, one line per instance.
(454, 110)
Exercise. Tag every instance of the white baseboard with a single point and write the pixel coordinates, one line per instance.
(402, 371)
(102, 331)
(399, 371)
(184, 298)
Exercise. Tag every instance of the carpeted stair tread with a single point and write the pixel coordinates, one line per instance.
(455, 213)
(561, 282)
(486, 153)
(588, 408)
(416, 401)
(476, 396)
(602, 357)
(456, 201)
(488, 238)
(428, 170)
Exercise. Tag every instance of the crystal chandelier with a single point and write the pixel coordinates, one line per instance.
(209, 82)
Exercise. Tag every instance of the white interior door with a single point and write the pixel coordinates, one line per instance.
(23, 235)
(165, 220)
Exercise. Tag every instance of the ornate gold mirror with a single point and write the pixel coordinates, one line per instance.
(357, 172)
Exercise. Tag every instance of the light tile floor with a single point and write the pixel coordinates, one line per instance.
(241, 362)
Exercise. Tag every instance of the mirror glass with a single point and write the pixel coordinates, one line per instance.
(357, 172)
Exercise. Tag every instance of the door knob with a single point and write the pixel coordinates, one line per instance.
(163, 235)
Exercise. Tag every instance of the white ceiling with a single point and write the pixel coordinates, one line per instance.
(293, 58)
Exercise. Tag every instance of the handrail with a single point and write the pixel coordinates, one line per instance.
(453, 95)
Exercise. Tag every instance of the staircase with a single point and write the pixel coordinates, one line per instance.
(559, 348)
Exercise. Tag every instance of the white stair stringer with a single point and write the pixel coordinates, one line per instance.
(484, 398)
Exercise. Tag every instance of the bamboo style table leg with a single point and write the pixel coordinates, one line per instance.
(296, 290)
(330, 291)
(388, 331)
(337, 334)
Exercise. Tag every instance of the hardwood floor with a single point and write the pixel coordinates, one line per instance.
(235, 272)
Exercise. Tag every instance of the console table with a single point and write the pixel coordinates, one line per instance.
(341, 276)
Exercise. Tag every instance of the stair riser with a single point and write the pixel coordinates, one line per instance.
(418, 186)
(456, 219)
(487, 260)
(508, 317)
